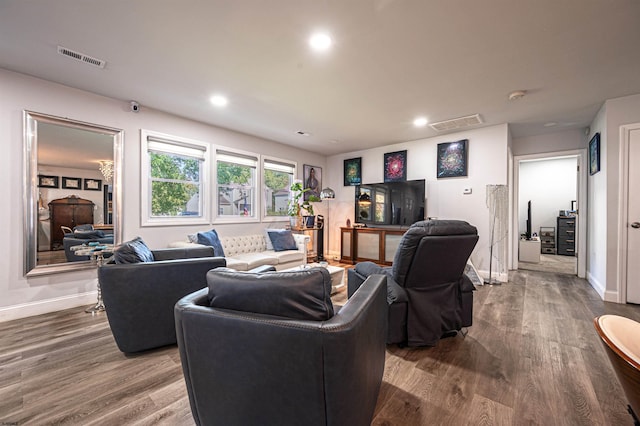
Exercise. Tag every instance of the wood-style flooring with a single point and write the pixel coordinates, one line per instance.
(532, 356)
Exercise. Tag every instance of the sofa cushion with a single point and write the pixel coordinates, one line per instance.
(282, 241)
(286, 256)
(237, 264)
(134, 251)
(255, 259)
(304, 295)
(210, 238)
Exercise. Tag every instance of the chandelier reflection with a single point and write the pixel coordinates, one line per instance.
(106, 168)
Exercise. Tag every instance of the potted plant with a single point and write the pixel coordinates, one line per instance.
(298, 205)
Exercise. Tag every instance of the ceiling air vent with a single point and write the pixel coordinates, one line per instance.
(457, 123)
(81, 57)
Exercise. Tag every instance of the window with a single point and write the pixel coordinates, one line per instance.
(277, 179)
(236, 185)
(173, 175)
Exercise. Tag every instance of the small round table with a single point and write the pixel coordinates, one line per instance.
(97, 254)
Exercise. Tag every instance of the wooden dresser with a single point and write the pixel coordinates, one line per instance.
(70, 211)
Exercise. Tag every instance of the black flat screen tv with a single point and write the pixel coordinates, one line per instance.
(391, 203)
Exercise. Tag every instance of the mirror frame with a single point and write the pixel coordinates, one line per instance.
(30, 188)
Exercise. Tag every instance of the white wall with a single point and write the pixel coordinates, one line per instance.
(445, 198)
(619, 111)
(551, 185)
(597, 216)
(567, 140)
(21, 296)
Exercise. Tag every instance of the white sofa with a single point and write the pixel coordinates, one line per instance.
(245, 252)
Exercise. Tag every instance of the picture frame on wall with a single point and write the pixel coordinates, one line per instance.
(92, 184)
(312, 181)
(452, 159)
(48, 181)
(594, 154)
(353, 171)
(71, 183)
(395, 166)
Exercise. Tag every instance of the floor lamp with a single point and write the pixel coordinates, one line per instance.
(327, 194)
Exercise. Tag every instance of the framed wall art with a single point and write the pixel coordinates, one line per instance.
(594, 154)
(48, 181)
(395, 166)
(353, 171)
(312, 180)
(452, 159)
(71, 183)
(93, 184)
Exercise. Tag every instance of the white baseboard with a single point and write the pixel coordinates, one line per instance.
(40, 307)
(599, 288)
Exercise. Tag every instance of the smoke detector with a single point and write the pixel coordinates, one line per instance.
(517, 94)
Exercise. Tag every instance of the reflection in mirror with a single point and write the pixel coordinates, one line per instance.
(71, 187)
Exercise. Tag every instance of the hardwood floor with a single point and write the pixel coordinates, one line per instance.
(531, 357)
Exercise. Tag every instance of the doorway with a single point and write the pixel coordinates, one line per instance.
(548, 189)
(629, 224)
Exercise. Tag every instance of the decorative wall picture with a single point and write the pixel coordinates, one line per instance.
(312, 180)
(452, 159)
(395, 166)
(594, 154)
(93, 184)
(353, 171)
(71, 183)
(48, 181)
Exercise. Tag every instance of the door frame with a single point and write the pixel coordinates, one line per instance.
(581, 205)
(623, 208)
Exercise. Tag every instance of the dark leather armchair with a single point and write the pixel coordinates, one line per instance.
(139, 297)
(428, 294)
(253, 360)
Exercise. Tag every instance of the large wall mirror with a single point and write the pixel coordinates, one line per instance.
(72, 194)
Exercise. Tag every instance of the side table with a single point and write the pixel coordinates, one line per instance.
(97, 253)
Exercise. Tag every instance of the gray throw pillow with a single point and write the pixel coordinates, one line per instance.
(134, 251)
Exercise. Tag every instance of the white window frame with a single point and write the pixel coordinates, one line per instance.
(220, 151)
(175, 144)
(263, 186)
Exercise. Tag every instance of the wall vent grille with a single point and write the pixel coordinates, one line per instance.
(81, 57)
(457, 123)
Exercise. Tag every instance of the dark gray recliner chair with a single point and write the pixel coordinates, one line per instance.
(266, 349)
(139, 297)
(428, 293)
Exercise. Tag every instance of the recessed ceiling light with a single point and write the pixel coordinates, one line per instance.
(550, 124)
(219, 100)
(320, 41)
(420, 122)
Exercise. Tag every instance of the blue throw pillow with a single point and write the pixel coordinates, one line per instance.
(134, 251)
(211, 238)
(282, 240)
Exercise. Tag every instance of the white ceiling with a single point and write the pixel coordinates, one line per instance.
(392, 60)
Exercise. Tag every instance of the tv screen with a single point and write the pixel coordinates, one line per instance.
(392, 203)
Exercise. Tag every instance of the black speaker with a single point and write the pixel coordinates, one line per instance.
(320, 238)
